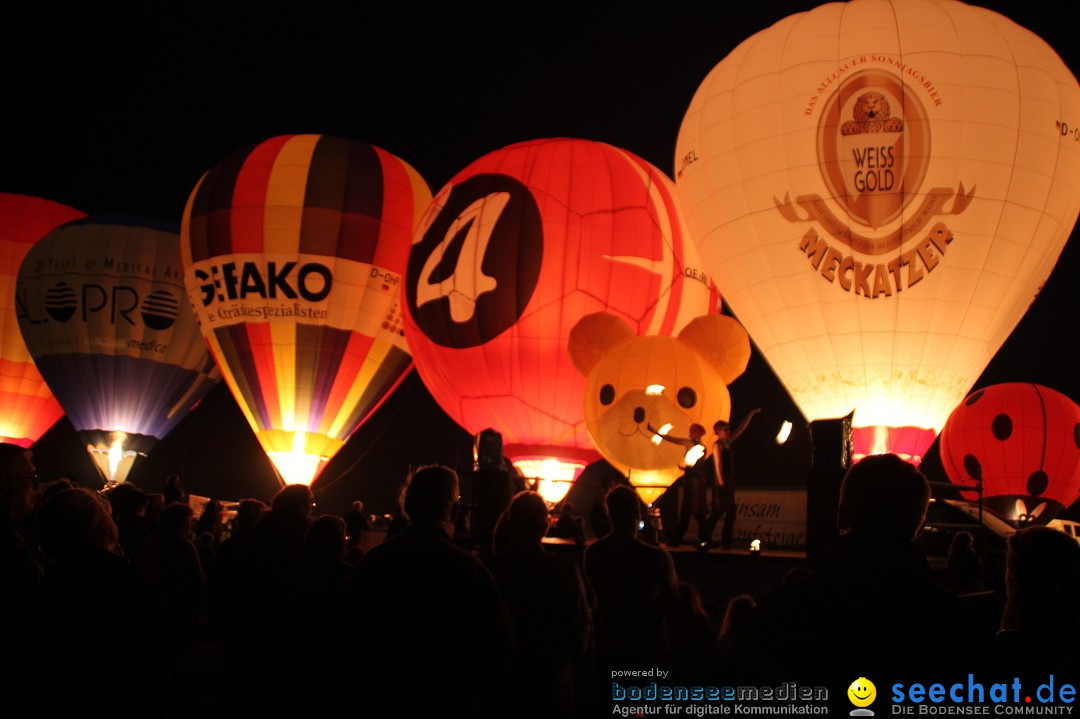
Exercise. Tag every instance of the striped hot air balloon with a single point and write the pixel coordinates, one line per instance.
(105, 318)
(27, 407)
(293, 252)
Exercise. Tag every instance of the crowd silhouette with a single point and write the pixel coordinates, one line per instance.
(113, 605)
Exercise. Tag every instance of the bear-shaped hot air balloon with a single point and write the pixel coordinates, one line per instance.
(1022, 442)
(105, 316)
(640, 388)
(27, 407)
(880, 188)
(293, 255)
(517, 248)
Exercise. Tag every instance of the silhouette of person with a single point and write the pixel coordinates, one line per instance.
(875, 609)
(96, 612)
(1040, 628)
(546, 598)
(254, 649)
(599, 521)
(568, 526)
(694, 646)
(723, 466)
(430, 612)
(173, 491)
(694, 483)
(356, 524)
(129, 504)
(732, 638)
(964, 567)
(633, 583)
(20, 564)
(173, 568)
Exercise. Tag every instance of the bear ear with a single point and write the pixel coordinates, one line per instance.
(593, 336)
(722, 341)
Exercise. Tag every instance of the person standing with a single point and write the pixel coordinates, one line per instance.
(693, 483)
(723, 464)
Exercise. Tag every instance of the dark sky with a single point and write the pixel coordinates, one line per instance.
(118, 108)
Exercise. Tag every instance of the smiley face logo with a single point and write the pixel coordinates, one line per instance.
(862, 692)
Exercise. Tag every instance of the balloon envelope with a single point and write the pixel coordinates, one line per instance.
(293, 253)
(107, 322)
(1022, 441)
(517, 248)
(880, 188)
(27, 407)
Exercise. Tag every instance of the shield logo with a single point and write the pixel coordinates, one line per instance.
(873, 151)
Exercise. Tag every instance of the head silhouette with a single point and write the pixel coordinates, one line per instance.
(527, 518)
(293, 500)
(1042, 579)
(883, 497)
(622, 507)
(430, 496)
(75, 521)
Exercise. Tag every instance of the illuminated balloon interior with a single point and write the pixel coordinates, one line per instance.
(553, 476)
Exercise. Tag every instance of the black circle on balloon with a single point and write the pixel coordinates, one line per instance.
(60, 302)
(607, 394)
(1037, 483)
(975, 397)
(160, 309)
(1002, 426)
(972, 467)
(497, 261)
(687, 397)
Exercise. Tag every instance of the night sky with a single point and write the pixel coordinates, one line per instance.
(118, 108)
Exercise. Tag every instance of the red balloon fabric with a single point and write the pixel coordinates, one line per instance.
(517, 248)
(1022, 441)
(27, 407)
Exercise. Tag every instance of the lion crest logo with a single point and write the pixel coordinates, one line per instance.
(872, 114)
(873, 148)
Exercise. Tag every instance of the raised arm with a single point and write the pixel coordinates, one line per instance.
(744, 424)
(684, 442)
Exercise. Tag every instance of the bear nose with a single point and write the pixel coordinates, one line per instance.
(639, 414)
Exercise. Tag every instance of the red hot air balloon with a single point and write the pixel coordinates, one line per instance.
(1022, 441)
(293, 252)
(513, 251)
(105, 317)
(27, 407)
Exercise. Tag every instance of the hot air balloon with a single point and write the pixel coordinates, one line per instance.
(27, 407)
(293, 253)
(880, 188)
(1022, 442)
(513, 251)
(640, 389)
(105, 317)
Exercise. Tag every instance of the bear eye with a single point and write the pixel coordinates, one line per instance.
(687, 397)
(607, 394)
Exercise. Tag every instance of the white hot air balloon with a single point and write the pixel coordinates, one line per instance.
(879, 189)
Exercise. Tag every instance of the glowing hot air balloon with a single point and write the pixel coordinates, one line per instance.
(517, 248)
(105, 317)
(293, 253)
(27, 407)
(1022, 441)
(880, 188)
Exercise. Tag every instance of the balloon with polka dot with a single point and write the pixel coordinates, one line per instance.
(1022, 441)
